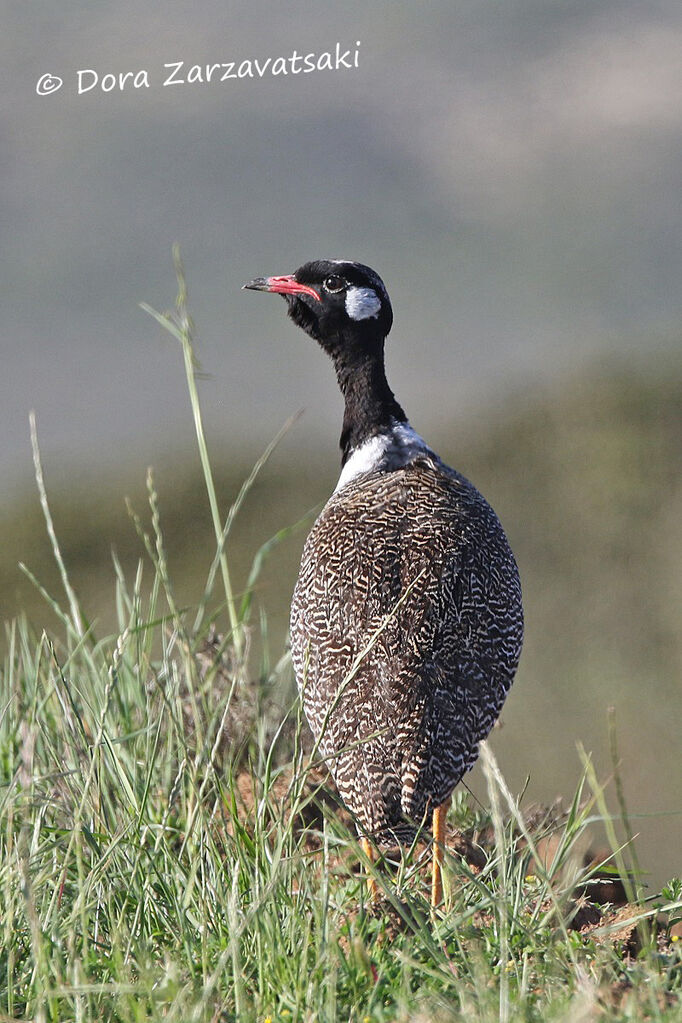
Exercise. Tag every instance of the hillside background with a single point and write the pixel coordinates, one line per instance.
(512, 171)
(586, 477)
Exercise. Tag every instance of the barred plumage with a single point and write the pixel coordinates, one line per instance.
(406, 619)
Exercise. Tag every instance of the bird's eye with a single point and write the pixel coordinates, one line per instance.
(334, 283)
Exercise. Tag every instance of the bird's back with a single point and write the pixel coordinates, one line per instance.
(406, 629)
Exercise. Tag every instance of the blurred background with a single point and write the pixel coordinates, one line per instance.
(514, 174)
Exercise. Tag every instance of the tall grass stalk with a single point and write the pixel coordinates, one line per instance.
(182, 329)
(76, 621)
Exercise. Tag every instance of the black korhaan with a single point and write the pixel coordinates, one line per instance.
(406, 619)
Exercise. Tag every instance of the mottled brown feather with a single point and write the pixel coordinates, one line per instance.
(411, 566)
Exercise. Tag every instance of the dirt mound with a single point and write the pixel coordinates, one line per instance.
(597, 908)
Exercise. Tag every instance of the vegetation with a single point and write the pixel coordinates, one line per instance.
(171, 849)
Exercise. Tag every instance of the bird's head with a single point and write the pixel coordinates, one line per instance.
(343, 305)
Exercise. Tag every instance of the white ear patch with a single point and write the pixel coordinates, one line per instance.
(362, 303)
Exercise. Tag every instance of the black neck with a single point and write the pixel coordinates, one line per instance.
(370, 403)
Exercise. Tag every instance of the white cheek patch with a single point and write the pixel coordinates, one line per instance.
(362, 303)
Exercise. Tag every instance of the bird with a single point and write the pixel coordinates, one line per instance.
(406, 619)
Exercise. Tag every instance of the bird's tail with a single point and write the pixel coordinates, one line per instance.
(401, 832)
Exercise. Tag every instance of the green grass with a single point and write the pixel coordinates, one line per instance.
(169, 852)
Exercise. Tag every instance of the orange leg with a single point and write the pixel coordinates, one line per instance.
(439, 815)
(368, 850)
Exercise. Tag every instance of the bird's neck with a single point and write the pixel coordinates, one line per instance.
(370, 405)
